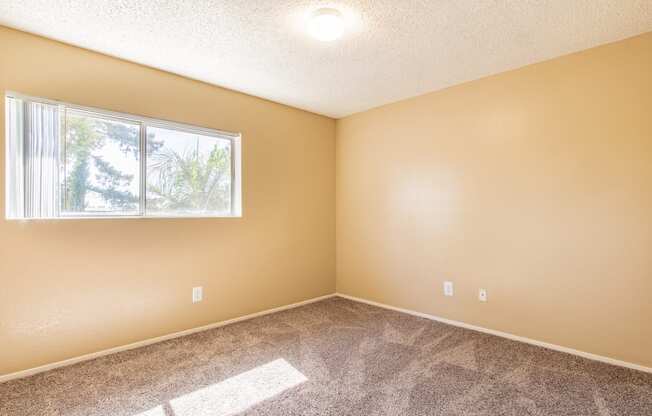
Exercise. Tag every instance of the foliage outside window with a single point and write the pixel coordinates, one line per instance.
(67, 161)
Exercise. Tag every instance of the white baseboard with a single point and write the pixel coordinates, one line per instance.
(513, 337)
(86, 357)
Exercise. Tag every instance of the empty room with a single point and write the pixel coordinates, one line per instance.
(315, 207)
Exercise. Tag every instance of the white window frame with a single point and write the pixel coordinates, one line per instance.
(144, 122)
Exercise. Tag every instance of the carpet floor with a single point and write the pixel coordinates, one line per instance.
(334, 357)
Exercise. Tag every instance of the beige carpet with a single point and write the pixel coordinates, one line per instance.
(335, 357)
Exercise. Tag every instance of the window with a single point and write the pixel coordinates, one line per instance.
(65, 161)
(101, 165)
(187, 173)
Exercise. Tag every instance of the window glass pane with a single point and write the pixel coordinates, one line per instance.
(187, 173)
(101, 163)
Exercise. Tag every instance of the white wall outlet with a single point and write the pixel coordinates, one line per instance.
(197, 294)
(448, 288)
(482, 295)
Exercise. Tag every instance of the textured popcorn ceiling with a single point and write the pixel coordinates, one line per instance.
(393, 49)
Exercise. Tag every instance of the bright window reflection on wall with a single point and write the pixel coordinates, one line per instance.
(67, 161)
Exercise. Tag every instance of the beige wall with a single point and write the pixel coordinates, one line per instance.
(74, 287)
(535, 184)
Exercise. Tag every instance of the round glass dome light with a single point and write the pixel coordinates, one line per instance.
(326, 25)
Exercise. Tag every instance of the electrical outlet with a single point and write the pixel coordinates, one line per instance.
(482, 295)
(197, 294)
(448, 288)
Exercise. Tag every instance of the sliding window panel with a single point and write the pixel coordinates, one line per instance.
(101, 160)
(188, 173)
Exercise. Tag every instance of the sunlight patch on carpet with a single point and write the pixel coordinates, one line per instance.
(240, 392)
(157, 411)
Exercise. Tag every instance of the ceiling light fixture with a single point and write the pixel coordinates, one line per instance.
(326, 25)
